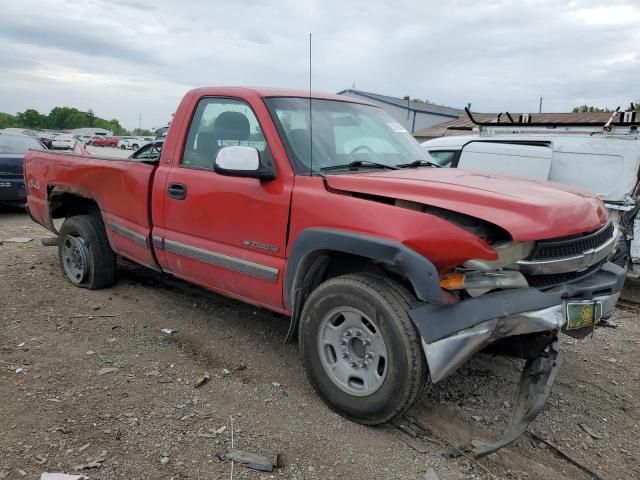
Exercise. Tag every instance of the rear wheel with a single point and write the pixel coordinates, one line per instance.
(360, 350)
(85, 256)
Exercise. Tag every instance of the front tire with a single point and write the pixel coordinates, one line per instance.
(84, 252)
(361, 352)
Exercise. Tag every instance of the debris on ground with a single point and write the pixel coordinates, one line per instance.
(168, 331)
(92, 463)
(590, 431)
(164, 460)
(105, 370)
(431, 475)
(18, 240)
(49, 241)
(61, 476)
(202, 379)
(251, 460)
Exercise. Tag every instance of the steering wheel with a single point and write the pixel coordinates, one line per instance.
(361, 147)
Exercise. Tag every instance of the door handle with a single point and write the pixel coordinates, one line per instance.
(177, 191)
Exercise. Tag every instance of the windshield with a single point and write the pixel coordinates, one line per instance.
(18, 143)
(342, 133)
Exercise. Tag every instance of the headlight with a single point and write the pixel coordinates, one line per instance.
(508, 254)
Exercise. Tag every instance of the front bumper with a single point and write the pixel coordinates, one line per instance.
(451, 334)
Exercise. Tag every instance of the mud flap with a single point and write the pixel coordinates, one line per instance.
(534, 387)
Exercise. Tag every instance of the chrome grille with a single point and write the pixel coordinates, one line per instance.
(551, 280)
(571, 246)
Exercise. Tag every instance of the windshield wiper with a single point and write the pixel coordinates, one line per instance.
(359, 164)
(419, 163)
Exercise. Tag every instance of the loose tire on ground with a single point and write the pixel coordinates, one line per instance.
(342, 315)
(85, 256)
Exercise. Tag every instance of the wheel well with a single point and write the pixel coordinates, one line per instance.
(64, 205)
(327, 264)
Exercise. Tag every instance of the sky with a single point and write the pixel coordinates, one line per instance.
(128, 59)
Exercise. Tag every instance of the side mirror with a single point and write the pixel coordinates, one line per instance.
(238, 161)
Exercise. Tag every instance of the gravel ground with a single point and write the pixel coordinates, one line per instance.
(89, 376)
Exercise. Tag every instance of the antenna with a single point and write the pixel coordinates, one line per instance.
(310, 116)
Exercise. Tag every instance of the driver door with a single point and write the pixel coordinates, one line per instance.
(225, 232)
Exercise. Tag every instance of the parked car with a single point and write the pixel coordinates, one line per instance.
(150, 152)
(134, 142)
(43, 138)
(12, 150)
(392, 273)
(125, 142)
(606, 163)
(63, 141)
(21, 131)
(46, 140)
(101, 141)
(85, 139)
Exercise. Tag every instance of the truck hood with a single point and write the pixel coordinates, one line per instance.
(527, 209)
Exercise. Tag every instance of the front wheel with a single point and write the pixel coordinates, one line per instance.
(84, 252)
(361, 352)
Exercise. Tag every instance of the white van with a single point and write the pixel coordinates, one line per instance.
(607, 165)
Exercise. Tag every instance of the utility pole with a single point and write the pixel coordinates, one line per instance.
(140, 121)
(540, 106)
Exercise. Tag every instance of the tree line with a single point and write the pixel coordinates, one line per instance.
(64, 118)
(634, 107)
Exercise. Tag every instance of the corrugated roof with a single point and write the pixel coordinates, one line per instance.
(399, 102)
(444, 129)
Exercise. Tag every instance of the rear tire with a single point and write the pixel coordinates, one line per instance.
(84, 252)
(361, 351)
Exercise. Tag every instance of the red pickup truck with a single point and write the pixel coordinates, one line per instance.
(393, 272)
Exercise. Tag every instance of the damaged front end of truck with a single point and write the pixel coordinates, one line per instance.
(517, 306)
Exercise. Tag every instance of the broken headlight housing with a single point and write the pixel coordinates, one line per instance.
(508, 254)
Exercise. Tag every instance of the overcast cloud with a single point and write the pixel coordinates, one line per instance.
(126, 57)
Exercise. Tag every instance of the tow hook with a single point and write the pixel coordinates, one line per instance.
(534, 387)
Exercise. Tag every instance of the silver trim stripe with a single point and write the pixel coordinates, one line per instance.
(158, 242)
(128, 233)
(246, 267)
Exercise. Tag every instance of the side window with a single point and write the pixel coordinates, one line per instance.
(443, 157)
(218, 123)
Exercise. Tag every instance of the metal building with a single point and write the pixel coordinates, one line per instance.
(412, 115)
(92, 132)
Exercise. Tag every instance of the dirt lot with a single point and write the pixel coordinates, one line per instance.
(146, 419)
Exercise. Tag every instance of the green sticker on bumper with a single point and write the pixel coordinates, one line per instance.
(583, 314)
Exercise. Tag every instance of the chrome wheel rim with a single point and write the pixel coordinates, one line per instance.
(352, 351)
(74, 258)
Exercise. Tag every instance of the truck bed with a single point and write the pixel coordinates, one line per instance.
(120, 188)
